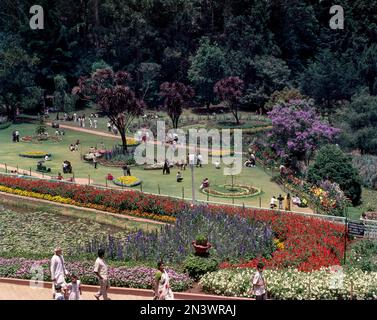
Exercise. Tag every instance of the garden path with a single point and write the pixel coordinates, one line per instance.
(22, 292)
(83, 181)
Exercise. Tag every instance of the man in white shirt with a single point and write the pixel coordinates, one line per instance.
(259, 283)
(58, 271)
(101, 271)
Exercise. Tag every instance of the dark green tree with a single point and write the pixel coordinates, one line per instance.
(332, 164)
(207, 67)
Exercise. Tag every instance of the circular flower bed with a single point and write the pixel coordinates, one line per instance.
(229, 191)
(40, 138)
(127, 181)
(221, 153)
(34, 154)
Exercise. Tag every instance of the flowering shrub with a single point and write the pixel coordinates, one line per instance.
(366, 165)
(293, 284)
(137, 277)
(327, 197)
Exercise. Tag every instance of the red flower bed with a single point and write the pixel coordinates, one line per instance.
(309, 243)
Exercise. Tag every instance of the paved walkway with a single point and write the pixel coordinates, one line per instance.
(21, 292)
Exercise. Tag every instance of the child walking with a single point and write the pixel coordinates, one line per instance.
(74, 288)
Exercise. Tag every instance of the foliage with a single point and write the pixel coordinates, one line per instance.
(332, 164)
(329, 80)
(290, 284)
(113, 96)
(176, 96)
(366, 165)
(363, 255)
(283, 96)
(298, 131)
(229, 91)
(207, 67)
(358, 121)
(41, 128)
(197, 266)
(17, 85)
(63, 101)
(38, 233)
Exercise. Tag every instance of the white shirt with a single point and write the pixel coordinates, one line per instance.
(101, 268)
(58, 270)
(74, 290)
(258, 284)
(273, 200)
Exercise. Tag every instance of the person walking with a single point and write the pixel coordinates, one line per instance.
(95, 162)
(166, 168)
(162, 290)
(258, 284)
(126, 170)
(95, 123)
(101, 271)
(287, 202)
(17, 134)
(58, 271)
(109, 126)
(280, 201)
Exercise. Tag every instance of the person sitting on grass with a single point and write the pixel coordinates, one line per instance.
(110, 177)
(60, 177)
(205, 184)
(47, 158)
(71, 147)
(179, 177)
(296, 200)
(273, 202)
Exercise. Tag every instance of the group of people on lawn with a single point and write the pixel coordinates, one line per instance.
(285, 202)
(61, 290)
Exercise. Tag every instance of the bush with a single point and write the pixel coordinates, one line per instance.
(197, 266)
(332, 164)
(367, 167)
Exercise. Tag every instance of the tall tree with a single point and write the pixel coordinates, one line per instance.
(63, 100)
(114, 98)
(229, 91)
(17, 85)
(176, 97)
(368, 68)
(207, 67)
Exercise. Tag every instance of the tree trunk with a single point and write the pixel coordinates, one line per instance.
(122, 133)
(208, 109)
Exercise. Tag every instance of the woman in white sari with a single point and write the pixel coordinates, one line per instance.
(162, 285)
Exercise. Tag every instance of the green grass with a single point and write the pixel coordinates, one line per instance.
(152, 179)
(369, 203)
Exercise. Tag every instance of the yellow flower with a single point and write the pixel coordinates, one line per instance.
(127, 179)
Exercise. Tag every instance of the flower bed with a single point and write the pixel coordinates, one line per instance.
(232, 237)
(309, 243)
(292, 284)
(127, 181)
(40, 138)
(221, 153)
(34, 154)
(137, 277)
(227, 191)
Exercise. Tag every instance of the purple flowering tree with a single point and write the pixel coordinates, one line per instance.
(229, 91)
(177, 95)
(298, 131)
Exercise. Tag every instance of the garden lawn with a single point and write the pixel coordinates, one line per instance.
(9, 153)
